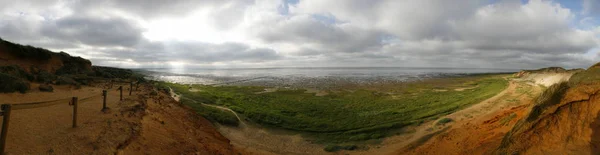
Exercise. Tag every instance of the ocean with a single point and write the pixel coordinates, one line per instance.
(307, 77)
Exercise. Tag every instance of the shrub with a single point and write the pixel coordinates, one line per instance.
(444, 121)
(16, 71)
(26, 51)
(45, 77)
(334, 148)
(9, 84)
(550, 96)
(46, 88)
(109, 72)
(63, 80)
(73, 65)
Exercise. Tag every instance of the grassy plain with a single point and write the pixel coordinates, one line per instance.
(350, 114)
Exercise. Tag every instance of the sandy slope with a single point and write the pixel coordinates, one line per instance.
(138, 125)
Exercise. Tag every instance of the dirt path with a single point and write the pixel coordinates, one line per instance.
(136, 125)
(253, 139)
(491, 106)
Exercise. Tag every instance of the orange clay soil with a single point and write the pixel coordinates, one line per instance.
(569, 125)
(482, 134)
(475, 130)
(141, 124)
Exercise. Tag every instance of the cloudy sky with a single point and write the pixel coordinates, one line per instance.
(311, 33)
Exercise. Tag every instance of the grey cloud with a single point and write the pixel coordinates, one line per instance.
(426, 33)
(94, 31)
(208, 53)
(188, 52)
(154, 8)
(326, 37)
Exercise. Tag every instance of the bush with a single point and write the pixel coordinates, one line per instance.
(9, 84)
(66, 81)
(109, 72)
(26, 51)
(45, 77)
(550, 96)
(335, 148)
(46, 88)
(73, 65)
(16, 71)
(444, 121)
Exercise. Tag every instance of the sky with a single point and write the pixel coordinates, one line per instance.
(516, 34)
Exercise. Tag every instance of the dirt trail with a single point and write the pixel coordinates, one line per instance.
(254, 139)
(137, 125)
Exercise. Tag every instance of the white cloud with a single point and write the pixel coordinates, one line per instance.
(262, 33)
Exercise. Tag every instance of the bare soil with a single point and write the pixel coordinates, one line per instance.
(140, 124)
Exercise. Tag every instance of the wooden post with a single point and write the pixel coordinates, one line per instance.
(74, 101)
(104, 101)
(6, 108)
(121, 89)
(130, 88)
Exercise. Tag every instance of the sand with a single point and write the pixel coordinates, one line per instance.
(138, 125)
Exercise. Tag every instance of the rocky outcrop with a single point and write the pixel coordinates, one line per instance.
(46, 88)
(564, 120)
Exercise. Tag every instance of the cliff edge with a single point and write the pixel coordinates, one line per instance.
(565, 119)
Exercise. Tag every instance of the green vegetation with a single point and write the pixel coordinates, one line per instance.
(444, 121)
(585, 77)
(504, 121)
(9, 84)
(109, 72)
(16, 71)
(334, 148)
(211, 113)
(26, 51)
(549, 97)
(73, 65)
(346, 115)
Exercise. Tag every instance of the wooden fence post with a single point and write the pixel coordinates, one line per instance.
(6, 108)
(121, 89)
(104, 93)
(130, 88)
(74, 101)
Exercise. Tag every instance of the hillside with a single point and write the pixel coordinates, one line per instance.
(146, 122)
(35, 60)
(564, 119)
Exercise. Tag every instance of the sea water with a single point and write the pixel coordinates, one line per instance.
(307, 77)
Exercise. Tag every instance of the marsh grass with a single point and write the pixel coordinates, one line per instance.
(348, 114)
(211, 113)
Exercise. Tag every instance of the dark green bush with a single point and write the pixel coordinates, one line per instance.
(73, 65)
(334, 148)
(26, 51)
(109, 72)
(63, 80)
(444, 121)
(45, 77)
(9, 84)
(16, 71)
